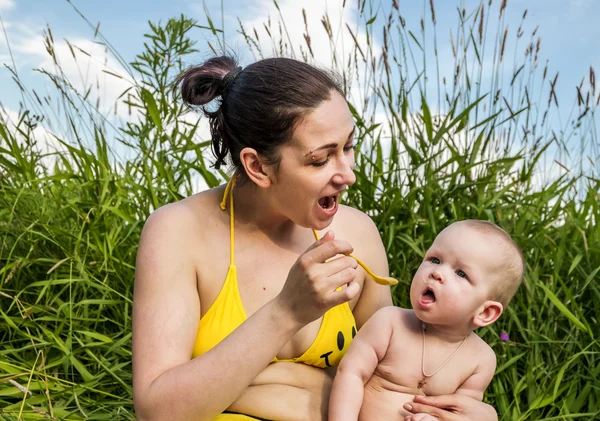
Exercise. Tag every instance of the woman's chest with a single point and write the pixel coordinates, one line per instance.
(260, 273)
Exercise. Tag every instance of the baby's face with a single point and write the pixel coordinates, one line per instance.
(455, 277)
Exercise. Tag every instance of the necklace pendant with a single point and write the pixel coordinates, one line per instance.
(422, 383)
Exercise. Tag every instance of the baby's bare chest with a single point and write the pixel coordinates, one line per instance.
(407, 368)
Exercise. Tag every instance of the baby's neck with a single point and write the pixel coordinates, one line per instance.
(448, 334)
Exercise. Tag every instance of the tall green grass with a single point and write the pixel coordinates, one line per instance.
(432, 150)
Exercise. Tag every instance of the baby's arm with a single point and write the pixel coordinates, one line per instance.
(359, 363)
(477, 382)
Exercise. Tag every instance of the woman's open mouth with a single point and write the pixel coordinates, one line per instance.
(329, 204)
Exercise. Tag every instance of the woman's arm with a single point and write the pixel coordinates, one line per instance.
(170, 386)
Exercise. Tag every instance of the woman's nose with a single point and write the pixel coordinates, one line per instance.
(345, 172)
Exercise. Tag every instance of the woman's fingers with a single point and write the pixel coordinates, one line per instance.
(444, 401)
(310, 289)
(420, 417)
(339, 265)
(419, 408)
(329, 235)
(452, 408)
(344, 295)
(324, 249)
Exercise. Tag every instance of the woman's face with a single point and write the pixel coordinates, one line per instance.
(316, 165)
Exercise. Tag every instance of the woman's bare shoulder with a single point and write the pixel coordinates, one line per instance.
(355, 225)
(186, 215)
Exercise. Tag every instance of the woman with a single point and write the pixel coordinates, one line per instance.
(230, 280)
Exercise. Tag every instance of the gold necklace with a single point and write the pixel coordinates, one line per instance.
(423, 381)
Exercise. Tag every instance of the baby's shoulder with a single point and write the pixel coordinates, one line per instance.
(481, 352)
(401, 319)
(395, 313)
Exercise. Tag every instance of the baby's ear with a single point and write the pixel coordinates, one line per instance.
(488, 313)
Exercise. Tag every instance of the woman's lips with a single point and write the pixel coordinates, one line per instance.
(328, 205)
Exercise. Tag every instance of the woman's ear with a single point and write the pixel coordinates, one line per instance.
(256, 170)
(488, 313)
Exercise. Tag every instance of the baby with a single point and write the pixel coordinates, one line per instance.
(467, 277)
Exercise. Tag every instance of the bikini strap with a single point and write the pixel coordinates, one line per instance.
(229, 193)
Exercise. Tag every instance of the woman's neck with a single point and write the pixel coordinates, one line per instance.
(254, 210)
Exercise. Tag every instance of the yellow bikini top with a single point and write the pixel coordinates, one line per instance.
(337, 330)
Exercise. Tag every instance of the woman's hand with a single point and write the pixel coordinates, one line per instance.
(310, 289)
(451, 408)
(420, 417)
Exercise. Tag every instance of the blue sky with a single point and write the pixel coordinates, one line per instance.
(569, 31)
(569, 28)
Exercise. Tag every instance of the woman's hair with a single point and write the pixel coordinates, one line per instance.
(259, 106)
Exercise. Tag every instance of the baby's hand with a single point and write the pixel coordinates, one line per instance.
(420, 417)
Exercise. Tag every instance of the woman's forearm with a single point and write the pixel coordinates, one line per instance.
(205, 386)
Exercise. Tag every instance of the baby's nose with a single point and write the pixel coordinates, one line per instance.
(437, 275)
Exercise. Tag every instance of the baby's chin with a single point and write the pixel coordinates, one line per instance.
(432, 317)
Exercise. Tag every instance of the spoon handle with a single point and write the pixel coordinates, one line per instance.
(378, 279)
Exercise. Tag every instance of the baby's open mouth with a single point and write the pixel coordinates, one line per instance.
(428, 296)
(328, 202)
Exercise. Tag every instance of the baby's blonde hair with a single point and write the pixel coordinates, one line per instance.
(514, 262)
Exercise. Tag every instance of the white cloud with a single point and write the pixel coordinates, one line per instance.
(44, 140)
(84, 63)
(7, 4)
(81, 66)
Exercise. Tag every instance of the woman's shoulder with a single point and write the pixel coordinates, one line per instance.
(355, 224)
(185, 217)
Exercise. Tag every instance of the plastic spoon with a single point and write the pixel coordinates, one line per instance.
(381, 280)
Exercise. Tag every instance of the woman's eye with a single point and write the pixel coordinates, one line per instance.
(435, 260)
(349, 147)
(461, 273)
(320, 164)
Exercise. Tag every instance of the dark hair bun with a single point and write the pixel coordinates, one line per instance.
(201, 84)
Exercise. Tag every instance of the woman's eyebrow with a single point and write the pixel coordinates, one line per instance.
(352, 133)
(331, 145)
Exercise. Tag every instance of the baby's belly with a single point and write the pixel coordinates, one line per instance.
(384, 401)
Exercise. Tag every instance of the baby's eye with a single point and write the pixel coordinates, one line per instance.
(461, 273)
(434, 260)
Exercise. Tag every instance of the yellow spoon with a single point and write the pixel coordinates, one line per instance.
(381, 280)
